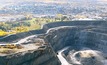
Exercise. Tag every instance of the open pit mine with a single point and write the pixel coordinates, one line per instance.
(58, 43)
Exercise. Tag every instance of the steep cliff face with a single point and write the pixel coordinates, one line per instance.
(91, 35)
(80, 37)
(32, 52)
(38, 57)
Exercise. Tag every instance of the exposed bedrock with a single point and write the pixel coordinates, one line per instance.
(79, 36)
(31, 57)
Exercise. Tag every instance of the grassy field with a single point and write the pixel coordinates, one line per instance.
(7, 28)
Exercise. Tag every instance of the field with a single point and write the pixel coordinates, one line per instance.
(7, 28)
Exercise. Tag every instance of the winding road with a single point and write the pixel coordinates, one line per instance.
(25, 39)
(22, 40)
(61, 58)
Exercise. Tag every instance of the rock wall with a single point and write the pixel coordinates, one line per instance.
(78, 37)
(94, 23)
(31, 57)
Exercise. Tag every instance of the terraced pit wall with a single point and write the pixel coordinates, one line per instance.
(78, 34)
(91, 34)
(11, 38)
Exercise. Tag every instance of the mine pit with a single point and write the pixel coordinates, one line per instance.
(79, 44)
(63, 43)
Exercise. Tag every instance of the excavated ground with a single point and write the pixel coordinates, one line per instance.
(74, 43)
(81, 43)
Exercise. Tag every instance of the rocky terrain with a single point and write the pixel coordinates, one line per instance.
(60, 43)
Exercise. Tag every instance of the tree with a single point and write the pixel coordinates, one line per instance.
(2, 33)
